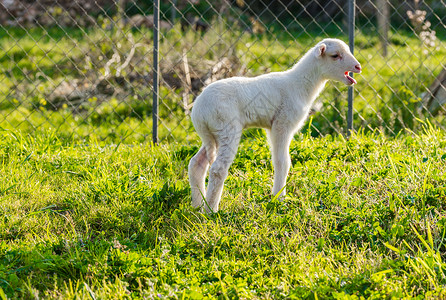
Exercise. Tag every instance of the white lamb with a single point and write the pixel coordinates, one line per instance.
(278, 102)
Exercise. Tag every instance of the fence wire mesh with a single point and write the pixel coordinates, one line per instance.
(84, 69)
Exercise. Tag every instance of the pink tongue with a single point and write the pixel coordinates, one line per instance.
(352, 80)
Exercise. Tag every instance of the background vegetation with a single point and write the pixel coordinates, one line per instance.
(72, 79)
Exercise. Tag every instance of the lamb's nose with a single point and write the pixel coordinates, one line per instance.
(358, 67)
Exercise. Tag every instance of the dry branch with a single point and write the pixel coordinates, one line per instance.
(435, 99)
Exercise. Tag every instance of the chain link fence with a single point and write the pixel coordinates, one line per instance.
(85, 69)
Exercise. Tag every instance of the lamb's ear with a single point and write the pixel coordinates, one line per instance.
(320, 49)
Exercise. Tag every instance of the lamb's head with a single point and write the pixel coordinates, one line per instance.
(336, 60)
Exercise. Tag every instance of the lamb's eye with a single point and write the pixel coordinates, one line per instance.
(335, 56)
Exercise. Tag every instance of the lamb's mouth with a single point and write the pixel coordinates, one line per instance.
(350, 79)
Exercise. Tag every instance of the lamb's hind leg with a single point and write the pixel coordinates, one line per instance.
(198, 167)
(227, 149)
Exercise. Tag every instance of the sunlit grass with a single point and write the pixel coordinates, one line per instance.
(362, 217)
(89, 208)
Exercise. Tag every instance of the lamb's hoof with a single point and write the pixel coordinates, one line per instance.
(279, 197)
(210, 210)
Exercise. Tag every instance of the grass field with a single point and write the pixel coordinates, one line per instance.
(364, 217)
(90, 209)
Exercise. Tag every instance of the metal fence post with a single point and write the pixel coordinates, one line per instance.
(351, 42)
(156, 23)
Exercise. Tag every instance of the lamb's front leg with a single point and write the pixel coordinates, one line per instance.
(280, 139)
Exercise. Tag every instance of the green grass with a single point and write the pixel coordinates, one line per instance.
(363, 217)
(90, 209)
